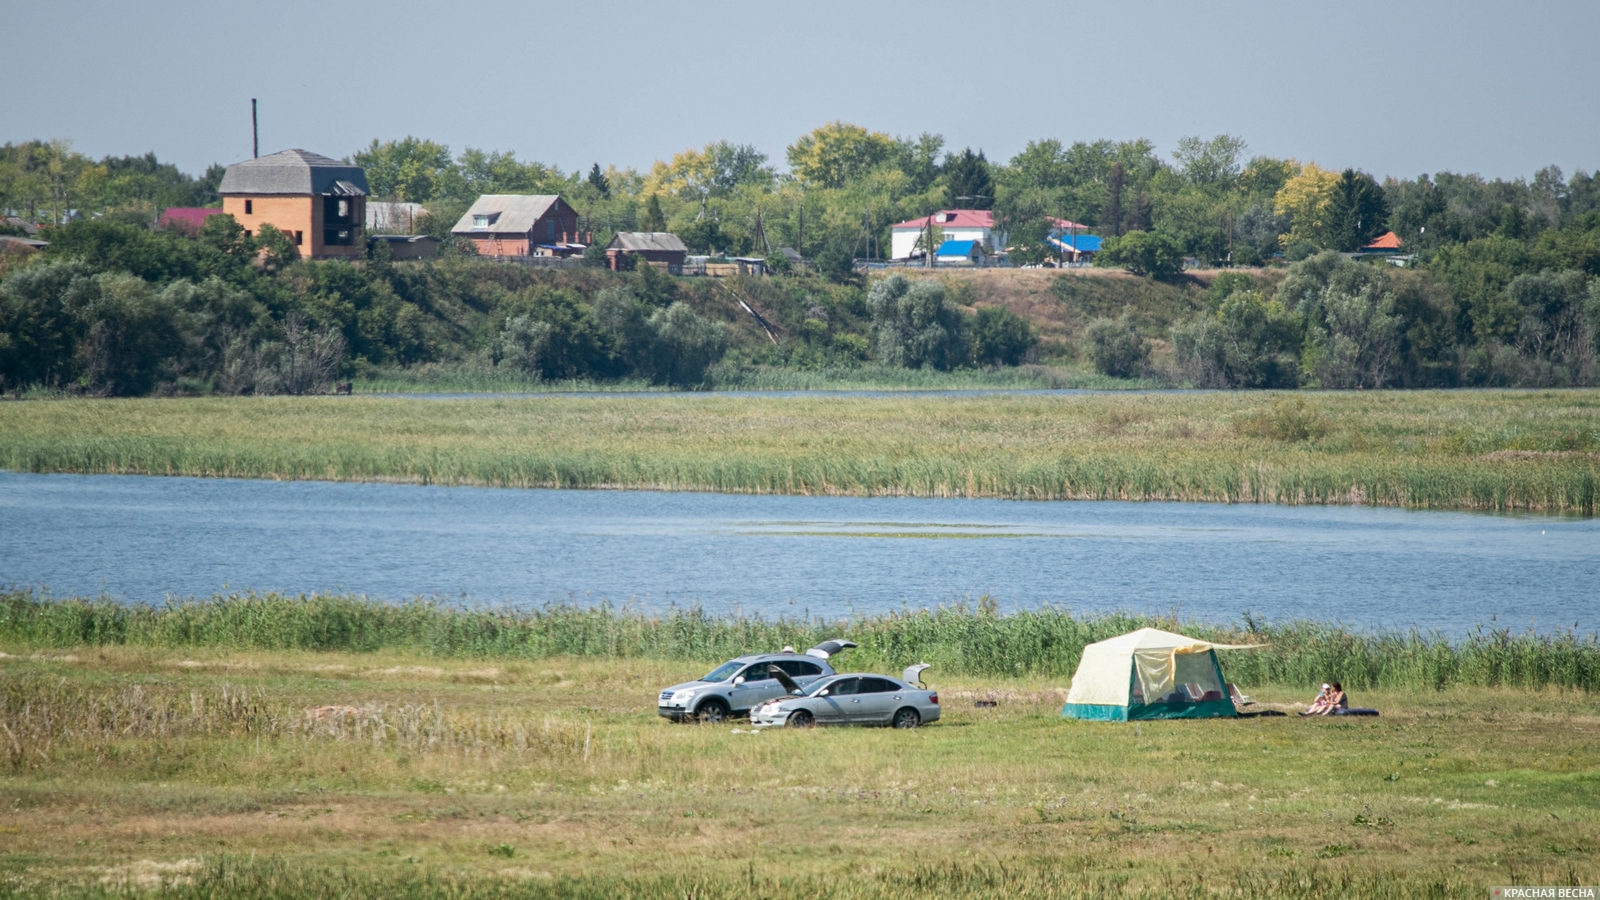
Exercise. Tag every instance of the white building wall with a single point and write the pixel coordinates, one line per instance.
(904, 240)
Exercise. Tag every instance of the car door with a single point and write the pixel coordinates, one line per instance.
(834, 708)
(876, 701)
(758, 685)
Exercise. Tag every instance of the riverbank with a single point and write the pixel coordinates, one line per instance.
(210, 770)
(1489, 450)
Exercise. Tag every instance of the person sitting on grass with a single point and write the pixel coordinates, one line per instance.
(1319, 706)
(1337, 701)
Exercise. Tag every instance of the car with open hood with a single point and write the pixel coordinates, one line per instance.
(852, 698)
(737, 685)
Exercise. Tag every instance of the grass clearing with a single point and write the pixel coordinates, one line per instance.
(210, 771)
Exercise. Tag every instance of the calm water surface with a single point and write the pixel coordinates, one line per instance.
(144, 539)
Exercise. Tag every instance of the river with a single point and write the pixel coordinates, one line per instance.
(145, 539)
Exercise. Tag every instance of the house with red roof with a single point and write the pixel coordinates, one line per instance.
(1388, 242)
(187, 219)
(977, 225)
(906, 239)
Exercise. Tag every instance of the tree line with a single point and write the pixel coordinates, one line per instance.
(1501, 287)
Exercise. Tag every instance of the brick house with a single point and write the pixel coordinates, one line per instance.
(521, 225)
(656, 247)
(320, 203)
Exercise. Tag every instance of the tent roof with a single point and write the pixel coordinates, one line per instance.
(1156, 639)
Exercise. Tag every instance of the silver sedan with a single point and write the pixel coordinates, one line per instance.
(853, 698)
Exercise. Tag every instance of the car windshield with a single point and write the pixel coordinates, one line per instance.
(723, 672)
(810, 690)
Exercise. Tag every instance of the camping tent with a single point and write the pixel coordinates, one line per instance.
(1150, 674)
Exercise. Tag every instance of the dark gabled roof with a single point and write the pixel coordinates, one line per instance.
(641, 241)
(297, 173)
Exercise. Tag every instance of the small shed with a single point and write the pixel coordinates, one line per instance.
(408, 246)
(658, 247)
(960, 252)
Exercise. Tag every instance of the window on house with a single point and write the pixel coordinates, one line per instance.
(297, 238)
(481, 220)
(344, 209)
(249, 207)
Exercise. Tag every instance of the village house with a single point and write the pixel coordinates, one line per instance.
(318, 202)
(186, 219)
(521, 225)
(656, 247)
(944, 225)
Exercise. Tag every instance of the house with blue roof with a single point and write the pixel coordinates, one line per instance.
(1074, 247)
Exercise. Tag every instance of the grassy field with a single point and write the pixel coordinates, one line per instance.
(1497, 450)
(264, 745)
(202, 771)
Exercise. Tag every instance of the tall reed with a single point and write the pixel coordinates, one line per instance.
(958, 640)
(1434, 450)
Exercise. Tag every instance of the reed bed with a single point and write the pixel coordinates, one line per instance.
(1498, 450)
(958, 640)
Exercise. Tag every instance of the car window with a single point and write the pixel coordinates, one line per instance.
(723, 672)
(756, 672)
(845, 686)
(878, 686)
(800, 668)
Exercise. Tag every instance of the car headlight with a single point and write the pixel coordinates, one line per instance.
(683, 696)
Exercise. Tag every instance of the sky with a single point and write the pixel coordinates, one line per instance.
(1400, 89)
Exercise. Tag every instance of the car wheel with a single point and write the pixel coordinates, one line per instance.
(712, 712)
(907, 718)
(801, 719)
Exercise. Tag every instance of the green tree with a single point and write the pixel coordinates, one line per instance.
(969, 184)
(834, 154)
(1117, 348)
(1357, 212)
(686, 345)
(410, 169)
(653, 218)
(599, 182)
(1000, 337)
(913, 326)
(1249, 342)
(1143, 253)
(1214, 165)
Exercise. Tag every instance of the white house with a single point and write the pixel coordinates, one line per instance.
(947, 225)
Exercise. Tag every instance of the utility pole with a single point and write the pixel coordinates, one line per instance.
(255, 132)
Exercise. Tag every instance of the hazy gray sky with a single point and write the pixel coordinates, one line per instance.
(1402, 88)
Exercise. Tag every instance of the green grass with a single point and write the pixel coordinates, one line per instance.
(208, 771)
(1495, 450)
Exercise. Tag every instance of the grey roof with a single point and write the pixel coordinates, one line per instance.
(295, 172)
(508, 213)
(661, 241)
(8, 241)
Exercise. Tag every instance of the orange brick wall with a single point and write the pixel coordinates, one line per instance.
(290, 214)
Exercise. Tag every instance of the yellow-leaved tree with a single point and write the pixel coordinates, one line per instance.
(1305, 198)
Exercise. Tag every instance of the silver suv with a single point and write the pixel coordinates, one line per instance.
(738, 685)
